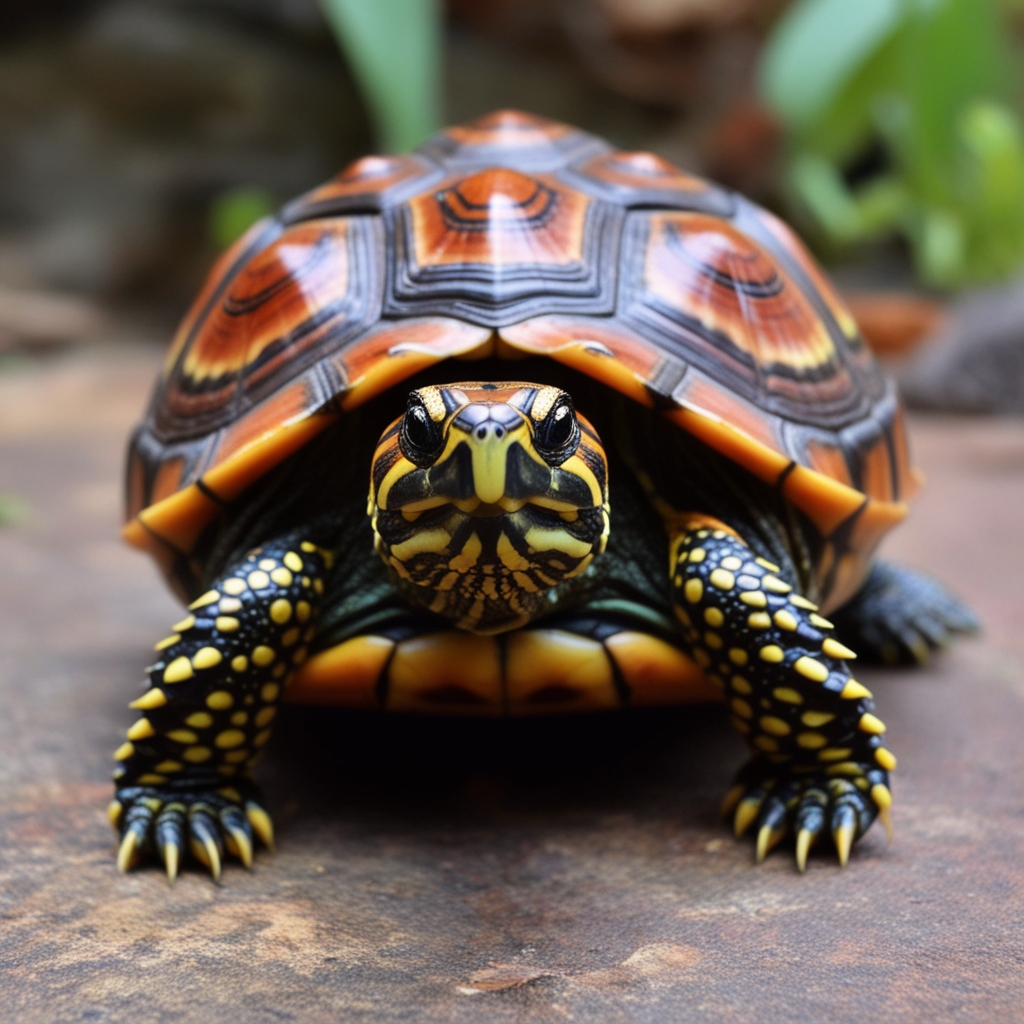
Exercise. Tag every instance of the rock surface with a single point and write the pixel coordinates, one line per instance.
(490, 872)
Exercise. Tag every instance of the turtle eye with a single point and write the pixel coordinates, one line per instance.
(420, 438)
(557, 436)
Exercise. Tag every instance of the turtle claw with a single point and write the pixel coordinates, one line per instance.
(207, 823)
(807, 803)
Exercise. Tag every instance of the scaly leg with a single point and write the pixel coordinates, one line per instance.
(183, 771)
(818, 756)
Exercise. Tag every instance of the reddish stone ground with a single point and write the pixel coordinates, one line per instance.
(491, 872)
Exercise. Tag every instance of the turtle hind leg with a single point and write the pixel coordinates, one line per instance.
(900, 616)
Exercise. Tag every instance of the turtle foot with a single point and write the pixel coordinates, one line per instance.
(203, 822)
(900, 616)
(780, 800)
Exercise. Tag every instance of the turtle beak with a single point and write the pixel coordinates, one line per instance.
(490, 431)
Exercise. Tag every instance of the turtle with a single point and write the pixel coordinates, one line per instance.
(623, 446)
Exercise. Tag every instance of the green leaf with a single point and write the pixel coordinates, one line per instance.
(12, 510)
(823, 192)
(393, 48)
(234, 211)
(817, 47)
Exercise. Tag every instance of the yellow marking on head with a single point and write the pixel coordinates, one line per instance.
(544, 403)
(541, 539)
(239, 663)
(510, 558)
(199, 720)
(219, 700)
(723, 579)
(196, 755)
(694, 590)
(307, 546)
(270, 691)
(302, 611)
(775, 585)
(697, 555)
(433, 541)
(169, 767)
(758, 620)
(754, 598)
(740, 685)
(810, 740)
(234, 586)
(293, 561)
(240, 718)
(154, 698)
(282, 577)
(787, 695)
(772, 653)
(281, 611)
(816, 719)
(834, 649)
(124, 751)
(229, 738)
(870, 724)
(258, 579)
(263, 655)
(226, 624)
(776, 726)
(741, 707)
(141, 730)
(713, 616)
(802, 602)
(854, 691)
(207, 657)
(182, 736)
(770, 566)
(731, 562)
(168, 641)
(468, 556)
(817, 620)
(785, 620)
(178, 671)
(767, 744)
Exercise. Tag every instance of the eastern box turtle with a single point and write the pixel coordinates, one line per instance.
(437, 324)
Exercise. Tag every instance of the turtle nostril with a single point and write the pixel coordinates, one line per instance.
(481, 432)
(499, 432)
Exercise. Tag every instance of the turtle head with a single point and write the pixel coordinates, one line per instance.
(484, 497)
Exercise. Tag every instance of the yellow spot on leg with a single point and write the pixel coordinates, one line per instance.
(230, 738)
(772, 653)
(154, 698)
(870, 724)
(263, 656)
(853, 691)
(281, 611)
(199, 720)
(811, 669)
(196, 755)
(208, 598)
(886, 759)
(234, 586)
(207, 657)
(722, 579)
(178, 671)
(124, 751)
(141, 730)
(694, 590)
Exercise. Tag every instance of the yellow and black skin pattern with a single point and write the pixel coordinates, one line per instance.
(182, 777)
(819, 761)
(484, 497)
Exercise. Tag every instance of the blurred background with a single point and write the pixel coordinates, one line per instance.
(139, 137)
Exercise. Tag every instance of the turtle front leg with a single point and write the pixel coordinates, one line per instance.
(214, 690)
(819, 761)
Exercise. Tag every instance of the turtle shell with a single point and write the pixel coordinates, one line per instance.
(514, 234)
